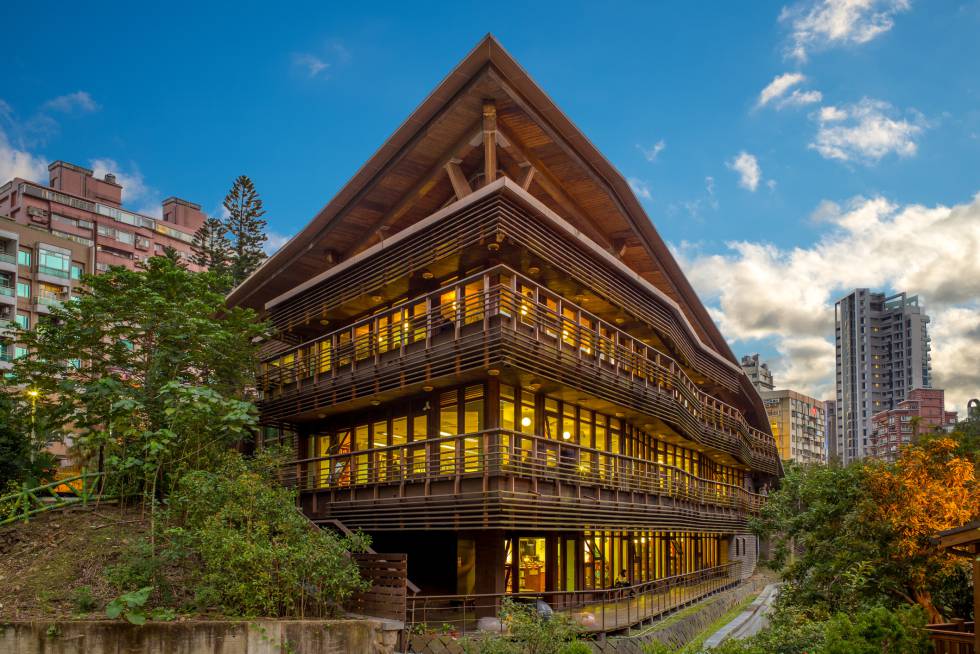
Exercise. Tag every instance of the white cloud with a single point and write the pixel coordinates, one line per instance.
(778, 87)
(67, 103)
(866, 132)
(134, 186)
(821, 24)
(650, 154)
(800, 98)
(15, 162)
(747, 167)
(274, 241)
(310, 64)
(641, 188)
(785, 295)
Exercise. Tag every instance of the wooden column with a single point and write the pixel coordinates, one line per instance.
(490, 562)
(489, 141)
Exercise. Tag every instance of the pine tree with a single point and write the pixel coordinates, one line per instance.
(246, 228)
(211, 247)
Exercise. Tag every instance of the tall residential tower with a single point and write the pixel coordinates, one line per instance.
(882, 354)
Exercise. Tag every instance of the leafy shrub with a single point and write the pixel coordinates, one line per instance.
(878, 630)
(132, 607)
(257, 554)
(528, 632)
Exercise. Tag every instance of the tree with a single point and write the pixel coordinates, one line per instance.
(21, 459)
(245, 226)
(211, 247)
(929, 489)
(148, 370)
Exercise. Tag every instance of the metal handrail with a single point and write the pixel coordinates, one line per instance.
(29, 501)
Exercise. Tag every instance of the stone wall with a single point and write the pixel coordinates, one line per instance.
(201, 637)
(680, 631)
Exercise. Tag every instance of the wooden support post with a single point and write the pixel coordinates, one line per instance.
(460, 186)
(489, 141)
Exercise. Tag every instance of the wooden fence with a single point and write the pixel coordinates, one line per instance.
(387, 595)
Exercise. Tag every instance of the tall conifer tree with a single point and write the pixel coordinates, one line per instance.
(212, 249)
(245, 227)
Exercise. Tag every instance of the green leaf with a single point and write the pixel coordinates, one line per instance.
(136, 617)
(114, 609)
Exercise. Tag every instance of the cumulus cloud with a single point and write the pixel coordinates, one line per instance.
(786, 296)
(866, 132)
(747, 167)
(778, 87)
(799, 98)
(79, 100)
(15, 162)
(821, 24)
(641, 188)
(650, 154)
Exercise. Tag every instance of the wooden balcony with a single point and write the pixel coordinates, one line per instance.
(494, 319)
(957, 637)
(500, 478)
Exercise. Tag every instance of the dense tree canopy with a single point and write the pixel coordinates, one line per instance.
(147, 370)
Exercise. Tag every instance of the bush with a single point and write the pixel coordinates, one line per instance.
(529, 632)
(84, 599)
(257, 554)
(878, 630)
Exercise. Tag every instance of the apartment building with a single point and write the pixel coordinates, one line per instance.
(922, 411)
(882, 354)
(758, 372)
(830, 429)
(798, 425)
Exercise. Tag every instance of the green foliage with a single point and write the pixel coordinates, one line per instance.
(212, 249)
(84, 599)
(575, 647)
(147, 370)
(657, 647)
(22, 460)
(246, 228)
(528, 632)
(254, 553)
(132, 607)
(878, 630)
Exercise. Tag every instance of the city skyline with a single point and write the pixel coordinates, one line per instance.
(819, 164)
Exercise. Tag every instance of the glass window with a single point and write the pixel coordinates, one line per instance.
(77, 270)
(24, 258)
(53, 263)
(448, 426)
(23, 288)
(473, 302)
(23, 321)
(472, 423)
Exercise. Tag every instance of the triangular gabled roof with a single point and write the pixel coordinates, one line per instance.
(404, 181)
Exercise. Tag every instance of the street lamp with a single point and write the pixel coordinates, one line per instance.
(33, 393)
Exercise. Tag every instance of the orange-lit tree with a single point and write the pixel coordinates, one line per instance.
(931, 488)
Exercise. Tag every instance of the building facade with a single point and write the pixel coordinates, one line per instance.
(758, 372)
(921, 412)
(488, 360)
(798, 425)
(830, 430)
(882, 349)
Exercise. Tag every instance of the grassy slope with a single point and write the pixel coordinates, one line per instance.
(44, 562)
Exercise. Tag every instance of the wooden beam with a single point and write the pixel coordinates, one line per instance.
(552, 187)
(461, 187)
(528, 176)
(471, 138)
(489, 141)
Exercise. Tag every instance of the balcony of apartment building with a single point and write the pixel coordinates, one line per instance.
(493, 322)
(8, 252)
(8, 289)
(50, 295)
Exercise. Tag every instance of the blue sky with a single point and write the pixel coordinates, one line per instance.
(871, 130)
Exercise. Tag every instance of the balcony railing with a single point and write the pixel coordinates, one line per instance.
(501, 452)
(957, 637)
(6, 290)
(50, 300)
(8, 258)
(54, 272)
(520, 305)
(601, 610)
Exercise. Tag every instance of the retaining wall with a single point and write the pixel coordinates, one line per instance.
(200, 637)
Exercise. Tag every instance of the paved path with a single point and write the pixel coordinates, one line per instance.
(749, 622)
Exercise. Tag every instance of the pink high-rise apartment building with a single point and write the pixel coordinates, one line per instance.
(894, 428)
(52, 234)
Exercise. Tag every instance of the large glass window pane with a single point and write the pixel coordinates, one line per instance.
(448, 426)
(473, 303)
(532, 564)
(472, 423)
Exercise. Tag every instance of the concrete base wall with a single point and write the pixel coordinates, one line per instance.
(748, 552)
(198, 637)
